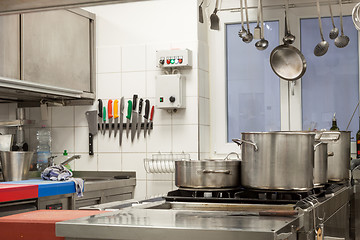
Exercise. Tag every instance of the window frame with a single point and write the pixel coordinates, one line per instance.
(290, 92)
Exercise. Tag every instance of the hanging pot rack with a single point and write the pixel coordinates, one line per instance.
(282, 6)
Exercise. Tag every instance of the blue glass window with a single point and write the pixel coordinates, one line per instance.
(331, 82)
(253, 90)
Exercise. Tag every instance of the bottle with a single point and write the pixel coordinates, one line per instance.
(358, 142)
(334, 126)
(43, 149)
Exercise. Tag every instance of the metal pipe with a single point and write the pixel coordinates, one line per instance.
(282, 6)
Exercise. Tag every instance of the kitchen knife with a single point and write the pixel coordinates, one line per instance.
(93, 129)
(121, 119)
(110, 116)
(134, 118)
(104, 119)
(151, 119)
(139, 118)
(100, 114)
(128, 118)
(146, 116)
(116, 116)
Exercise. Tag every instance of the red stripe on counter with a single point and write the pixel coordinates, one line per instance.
(13, 192)
(38, 224)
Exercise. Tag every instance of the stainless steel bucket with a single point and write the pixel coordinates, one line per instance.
(339, 159)
(207, 173)
(320, 163)
(277, 160)
(15, 165)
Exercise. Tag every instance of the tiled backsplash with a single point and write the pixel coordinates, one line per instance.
(126, 65)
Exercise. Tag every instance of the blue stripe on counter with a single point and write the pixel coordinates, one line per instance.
(48, 188)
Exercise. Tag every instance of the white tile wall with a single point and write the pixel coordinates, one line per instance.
(108, 59)
(126, 65)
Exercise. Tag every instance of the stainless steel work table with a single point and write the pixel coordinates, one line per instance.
(176, 224)
(156, 220)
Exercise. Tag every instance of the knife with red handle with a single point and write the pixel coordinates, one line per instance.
(151, 119)
(110, 116)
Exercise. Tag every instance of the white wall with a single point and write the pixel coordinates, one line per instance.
(127, 37)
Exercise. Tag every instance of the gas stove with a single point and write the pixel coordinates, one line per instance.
(250, 196)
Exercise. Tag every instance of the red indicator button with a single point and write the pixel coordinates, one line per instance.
(180, 60)
(168, 61)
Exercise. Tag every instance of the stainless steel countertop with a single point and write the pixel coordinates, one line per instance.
(151, 221)
(160, 224)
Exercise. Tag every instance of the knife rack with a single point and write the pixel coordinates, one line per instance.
(124, 126)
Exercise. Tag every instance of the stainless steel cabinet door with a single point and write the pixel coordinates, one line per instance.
(10, 46)
(56, 49)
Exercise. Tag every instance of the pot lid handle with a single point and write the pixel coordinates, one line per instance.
(232, 153)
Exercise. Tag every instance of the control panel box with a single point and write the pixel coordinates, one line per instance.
(170, 91)
(174, 58)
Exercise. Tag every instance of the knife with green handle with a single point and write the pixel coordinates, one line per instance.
(146, 116)
(122, 104)
(104, 119)
(128, 118)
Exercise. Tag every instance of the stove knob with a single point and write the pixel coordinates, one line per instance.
(172, 99)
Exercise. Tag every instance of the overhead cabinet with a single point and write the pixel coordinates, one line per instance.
(51, 56)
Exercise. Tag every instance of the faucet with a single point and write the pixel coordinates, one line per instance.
(70, 159)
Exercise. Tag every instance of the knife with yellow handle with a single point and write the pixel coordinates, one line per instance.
(116, 116)
(122, 105)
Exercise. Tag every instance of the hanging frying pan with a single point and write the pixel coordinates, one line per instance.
(287, 61)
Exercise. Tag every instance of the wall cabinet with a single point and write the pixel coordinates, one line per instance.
(50, 56)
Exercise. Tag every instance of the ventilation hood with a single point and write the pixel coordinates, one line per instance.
(13, 90)
(22, 6)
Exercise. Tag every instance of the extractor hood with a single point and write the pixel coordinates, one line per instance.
(14, 90)
(21, 6)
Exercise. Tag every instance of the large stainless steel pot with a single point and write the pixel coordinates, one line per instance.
(339, 159)
(277, 160)
(320, 163)
(207, 173)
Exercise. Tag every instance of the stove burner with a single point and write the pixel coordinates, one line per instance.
(241, 195)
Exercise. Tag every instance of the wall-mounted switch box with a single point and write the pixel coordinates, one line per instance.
(174, 58)
(170, 91)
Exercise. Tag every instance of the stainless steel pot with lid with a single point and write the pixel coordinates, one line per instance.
(277, 160)
(206, 174)
(339, 159)
(320, 163)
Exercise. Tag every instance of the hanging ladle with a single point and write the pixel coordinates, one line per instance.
(322, 47)
(248, 37)
(334, 31)
(288, 38)
(214, 19)
(342, 40)
(242, 32)
(201, 16)
(262, 44)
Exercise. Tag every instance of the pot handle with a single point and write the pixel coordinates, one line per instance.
(318, 144)
(214, 171)
(240, 141)
(330, 136)
(330, 154)
(232, 153)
